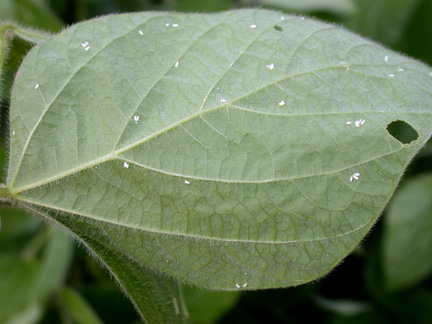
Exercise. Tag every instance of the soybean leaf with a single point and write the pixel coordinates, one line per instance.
(343, 307)
(383, 20)
(206, 306)
(239, 150)
(407, 240)
(204, 6)
(371, 318)
(413, 305)
(420, 24)
(333, 6)
(27, 281)
(15, 226)
(30, 12)
(78, 308)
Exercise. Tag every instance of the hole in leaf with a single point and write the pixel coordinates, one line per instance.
(278, 28)
(402, 131)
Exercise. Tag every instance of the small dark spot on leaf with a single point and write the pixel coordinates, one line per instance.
(278, 28)
(402, 131)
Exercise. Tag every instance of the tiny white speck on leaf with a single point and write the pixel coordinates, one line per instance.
(175, 25)
(140, 32)
(302, 18)
(186, 182)
(126, 165)
(136, 118)
(270, 66)
(391, 75)
(223, 100)
(87, 48)
(176, 64)
(355, 176)
(401, 70)
(245, 285)
(386, 58)
(36, 86)
(282, 103)
(253, 26)
(430, 73)
(348, 123)
(282, 18)
(13, 132)
(167, 24)
(238, 286)
(85, 44)
(359, 122)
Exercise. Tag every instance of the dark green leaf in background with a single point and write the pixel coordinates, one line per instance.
(204, 6)
(407, 240)
(33, 13)
(370, 318)
(77, 307)
(206, 306)
(333, 6)
(27, 279)
(415, 40)
(383, 20)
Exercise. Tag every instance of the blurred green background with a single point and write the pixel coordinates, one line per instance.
(45, 278)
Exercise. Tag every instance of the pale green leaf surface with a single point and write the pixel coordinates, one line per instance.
(197, 169)
(407, 239)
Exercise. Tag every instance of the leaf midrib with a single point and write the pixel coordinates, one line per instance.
(116, 154)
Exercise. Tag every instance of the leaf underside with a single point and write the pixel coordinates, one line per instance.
(218, 149)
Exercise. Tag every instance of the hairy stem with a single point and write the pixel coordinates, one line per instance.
(9, 30)
(3, 47)
(4, 196)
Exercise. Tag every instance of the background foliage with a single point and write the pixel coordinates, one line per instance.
(46, 279)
